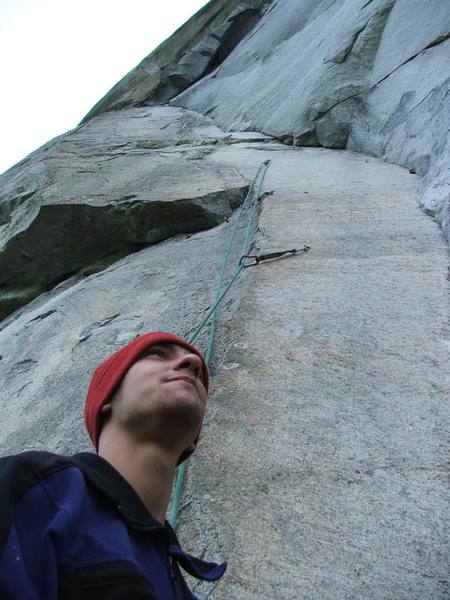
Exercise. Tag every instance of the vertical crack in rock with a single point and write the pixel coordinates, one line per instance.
(204, 57)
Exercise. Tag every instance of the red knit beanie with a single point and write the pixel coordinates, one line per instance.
(109, 374)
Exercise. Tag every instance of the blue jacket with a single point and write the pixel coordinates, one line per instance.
(72, 528)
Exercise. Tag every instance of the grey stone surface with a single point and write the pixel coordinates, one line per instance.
(370, 76)
(412, 27)
(49, 348)
(367, 76)
(301, 61)
(406, 119)
(321, 467)
(323, 470)
(435, 186)
(190, 53)
(121, 181)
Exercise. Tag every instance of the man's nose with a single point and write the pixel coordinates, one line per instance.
(191, 362)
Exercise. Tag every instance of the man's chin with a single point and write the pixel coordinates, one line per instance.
(185, 384)
(186, 394)
(185, 408)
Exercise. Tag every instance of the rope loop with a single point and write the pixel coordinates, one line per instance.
(251, 199)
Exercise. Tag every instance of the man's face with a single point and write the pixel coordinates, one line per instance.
(162, 395)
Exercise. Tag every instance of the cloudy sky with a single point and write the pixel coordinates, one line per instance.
(59, 57)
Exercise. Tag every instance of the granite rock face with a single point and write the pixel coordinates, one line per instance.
(324, 442)
(114, 185)
(322, 473)
(322, 467)
(367, 76)
(190, 53)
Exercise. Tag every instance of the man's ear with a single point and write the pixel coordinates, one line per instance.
(188, 451)
(191, 448)
(105, 413)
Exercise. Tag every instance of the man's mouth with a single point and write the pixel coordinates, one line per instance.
(188, 379)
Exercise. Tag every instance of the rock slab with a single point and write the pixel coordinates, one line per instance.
(323, 471)
(120, 182)
(370, 76)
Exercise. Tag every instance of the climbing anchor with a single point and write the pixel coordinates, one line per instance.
(261, 198)
(259, 258)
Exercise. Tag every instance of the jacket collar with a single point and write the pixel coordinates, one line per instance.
(106, 479)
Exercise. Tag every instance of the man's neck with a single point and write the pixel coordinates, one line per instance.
(147, 468)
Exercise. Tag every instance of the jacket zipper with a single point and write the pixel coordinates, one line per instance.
(179, 595)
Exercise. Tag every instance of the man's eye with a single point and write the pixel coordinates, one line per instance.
(154, 351)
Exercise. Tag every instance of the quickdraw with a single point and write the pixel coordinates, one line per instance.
(255, 191)
(259, 258)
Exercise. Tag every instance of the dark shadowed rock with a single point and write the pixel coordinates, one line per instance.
(121, 182)
(190, 53)
(50, 347)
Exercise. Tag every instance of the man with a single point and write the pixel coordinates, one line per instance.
(93, 525)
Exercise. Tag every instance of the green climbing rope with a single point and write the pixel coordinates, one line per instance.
(253, 198)
(212, 330)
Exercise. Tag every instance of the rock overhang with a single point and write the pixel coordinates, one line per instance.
(116, 184)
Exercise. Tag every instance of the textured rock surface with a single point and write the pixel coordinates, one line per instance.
(49, 347)
(327, 420)
(191, 52)
(369, 76)
(118, 183)
(323, 471)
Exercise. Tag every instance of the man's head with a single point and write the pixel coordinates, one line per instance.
(157, 381)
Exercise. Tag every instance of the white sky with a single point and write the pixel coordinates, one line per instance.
(59, 57)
